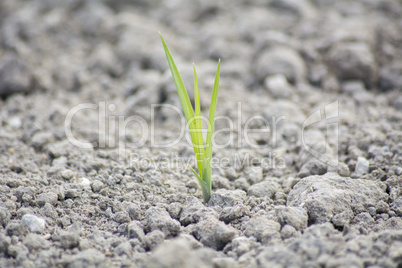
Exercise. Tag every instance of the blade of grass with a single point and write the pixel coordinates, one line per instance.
(200, 142)
(211, 126)
(205, 188)
(211, 117)
(185, 101)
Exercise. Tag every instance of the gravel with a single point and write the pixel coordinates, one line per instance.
(316, 85)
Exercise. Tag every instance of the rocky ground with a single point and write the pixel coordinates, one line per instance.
(114, 198)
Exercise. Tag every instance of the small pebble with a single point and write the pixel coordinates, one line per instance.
(96, 186)
(85, 182)
(47, 236)
(44, 198)
(362, 166)
(15, 122)
(34, 224)
(67, 174)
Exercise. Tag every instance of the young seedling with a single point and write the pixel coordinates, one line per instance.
(202, 153)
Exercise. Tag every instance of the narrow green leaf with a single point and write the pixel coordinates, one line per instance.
(211, 125)
(196, 174)
(184, 99)
(211, 117)
(205, 188)
(200, 142)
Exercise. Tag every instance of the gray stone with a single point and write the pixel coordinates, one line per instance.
(154, 239)
(96, 186)
(67, 174)
(354, 61)
(313, 167)
(69, 239)
(230, 173)
(241, 245)
(23, 191)
(362, 166)
(266, 188)
(213, 233)
(229, 214)
(224, 198)
(242, 183)
(375, 150)
(193, 211)
(44, 198)
(363, 218)
(174, 210)
(287, 231)
(35, 242)
(72, 193)
(124, 248)
(342, 218)
(293, 216)
(325, 196)
(19, 252)
(280, 60)
(219, 182)
(40, 139)
(157, 218)
(134, 211)
(49, 211)
(64, 221)
(16, 229)
(278, 86)
(135, 230)
(34, 223)
(84, 182)
(13, 183)
(314, 140)
(262, 229)
(15, 122)
(341, 168)
(397, 206)
(4, 243)
(122, 217)
(254, 174)
(5, 216)
(15, 77)
(383, 207)
(390, 77)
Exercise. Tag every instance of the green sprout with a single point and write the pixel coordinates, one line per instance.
(193, 117)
